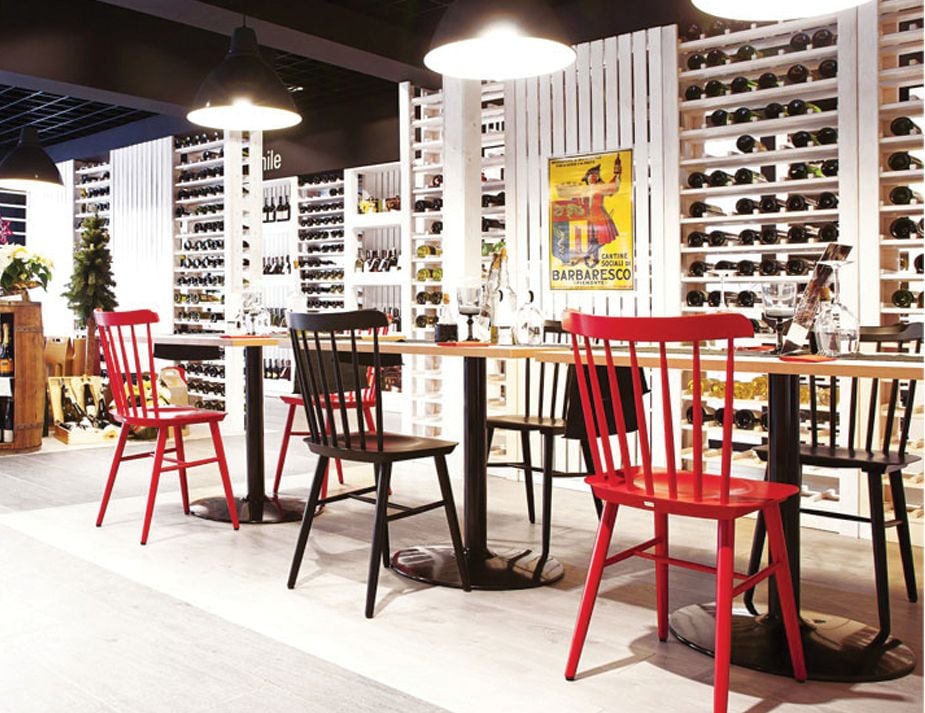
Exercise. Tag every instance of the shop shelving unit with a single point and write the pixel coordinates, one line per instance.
(708, 148)
(92, 191)
(321, 239)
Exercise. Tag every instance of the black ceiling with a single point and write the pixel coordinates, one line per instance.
(316, 84)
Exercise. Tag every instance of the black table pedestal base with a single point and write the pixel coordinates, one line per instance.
(512, 569)
(836, 649)
(273, 510)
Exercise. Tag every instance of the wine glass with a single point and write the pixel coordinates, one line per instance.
(836, 327)
(780, 303)
(469, 296)
(722, 271)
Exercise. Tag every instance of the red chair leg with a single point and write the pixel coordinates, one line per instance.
(113, 469)
(223, 471)
(661, 574)
(340, 471)
(284, 448)
(181, 457)
(155, 478)
(782, 577)
(725, 564)
(592, 584)
(370, 421)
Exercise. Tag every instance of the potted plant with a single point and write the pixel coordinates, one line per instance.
(21, 270)
(92, 283)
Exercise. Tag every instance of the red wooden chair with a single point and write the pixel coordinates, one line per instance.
(671, 490)
(127, 364)
(295, 402)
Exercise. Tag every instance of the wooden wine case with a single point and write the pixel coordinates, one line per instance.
(28, 376)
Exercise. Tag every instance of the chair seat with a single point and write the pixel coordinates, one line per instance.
(174, 416)
(296, 400)
(519, 422)
(745, 495)
(839, 457)
(395, 447)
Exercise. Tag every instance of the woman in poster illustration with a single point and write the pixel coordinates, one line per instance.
(601, 228)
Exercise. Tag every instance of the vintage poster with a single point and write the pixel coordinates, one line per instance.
(591, 222)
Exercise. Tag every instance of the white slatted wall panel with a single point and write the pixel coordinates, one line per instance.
(141, 226)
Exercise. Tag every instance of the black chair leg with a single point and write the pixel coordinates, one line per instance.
(898, 496)
(379, 527)
(386, 549)
(321, 473)
(528, 474)
(449, 506)
(589, 469)
(754, 561)
(548, 455)
(878, 542)
(488, 436)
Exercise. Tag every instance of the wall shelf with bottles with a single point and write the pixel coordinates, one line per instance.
(92, 191)
(321, 258)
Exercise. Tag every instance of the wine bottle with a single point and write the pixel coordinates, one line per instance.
(71, 411)
(90, 404)
(903, 228)
(900, 195)
(717, 28)
(695, 298)
(827, 201)
(697, 179)
(903, 298)
(6, 352)
(802, 139)
(746, 206)
(436, 228)
(715, 88)
(745, 268)
(743, 115)
(803, 170)
(740, 85)
(829, 167)
(768, 80)
(744, 176)
(706, 414)
(721, 178)
(799, 42)
(828, 232)
(904, 126)
(716, 58)
(823, 38)
(284, 212)
(919, 263)
(827, 135)
(720, 117)
(796, 203)
(797, 74)
(827, 69)
(746, 53)
(769, 267)
(692, 32)
(693, 92)
(748, 144)
(770, 204)
(718, 238)
(746, 298)
(797, 266)
(773, 110)
(699, 209)
(800, 234)
(745, 420)
(796, 107)
(903, 161)
(715, 298)
(748, 237)
(447, 328)
(696, 239)
(696, 61)
(699, 268)
(9, 429)
(771, 235)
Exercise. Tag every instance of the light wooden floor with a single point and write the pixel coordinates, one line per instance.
(200, 619)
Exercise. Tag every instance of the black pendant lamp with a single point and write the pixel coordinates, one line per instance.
(243, 93)
(28, 166)
(498, 39)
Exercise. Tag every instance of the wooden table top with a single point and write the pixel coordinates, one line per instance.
(900, 367)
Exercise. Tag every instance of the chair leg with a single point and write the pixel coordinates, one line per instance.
(386, 548)
(754, 561)
(725, 561)
(449, 507)
(898, 496)
(284, 448)
(489, 435)
(379, 525)
(370, 421)
(777, 546)
(548, 462)
(528, 474)
(340, 471)
(878, 543)
(113, 469)
(155, 478)
(181, 457)
(589, 469)
(320, 478)
(592, 584)
(661, 574)
(223, 472)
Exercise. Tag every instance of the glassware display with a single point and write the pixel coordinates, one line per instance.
(780, 302)
(836, 327)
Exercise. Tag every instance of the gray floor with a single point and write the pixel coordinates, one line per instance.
(200, 619)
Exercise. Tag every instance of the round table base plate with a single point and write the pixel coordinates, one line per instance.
(512, 569)
(835, 649)
(274, 510)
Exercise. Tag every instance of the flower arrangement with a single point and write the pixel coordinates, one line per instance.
(21, 270)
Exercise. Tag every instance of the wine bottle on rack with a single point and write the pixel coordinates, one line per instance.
(800, 41)
(769, 267)
(797, 203)
(695, 298)
(823, 38)
(797, 266)
(716, 57)
(740, 85)
(693, 93)
(745, 268)
(748, 144)
(770, 204)
(827, 69)
(720, 117)
(827, 201)
(904, 126)
(828, 232)
(699, 209)
(746, 53)
(706, 414)
(903, 195)
(774, 110)
(697, 179)
(746, 206)
(744, 176)
(696, 239)
(7, 367)
(696, 61)
(718, 238)
(797, 107)
(919, 263)
(748, 236)
(903, 161)
(800, 234)
(284, 211)
(803, 170)
(721, 178)
(715, 88)
(903, 298)
(797, 74)
(746, 298)
(768, 80)
(7, 417)
(717, 28)
(770, 235)
(743, 115)
(904, 228)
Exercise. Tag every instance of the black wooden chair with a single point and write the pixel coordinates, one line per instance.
(549, 419)
(888, 458)
(325, 366)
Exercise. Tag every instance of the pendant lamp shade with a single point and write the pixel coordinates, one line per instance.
(28, 166)
(498, 39)
(776, 10)
(243, 93)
